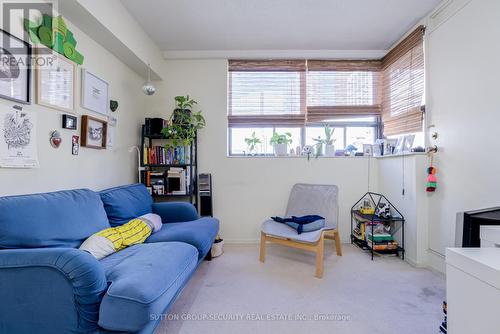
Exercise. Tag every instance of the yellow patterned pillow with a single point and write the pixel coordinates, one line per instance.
(114, 239)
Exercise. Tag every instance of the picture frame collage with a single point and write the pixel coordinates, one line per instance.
(55, 82)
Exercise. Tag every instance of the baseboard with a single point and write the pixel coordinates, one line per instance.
(241, 241)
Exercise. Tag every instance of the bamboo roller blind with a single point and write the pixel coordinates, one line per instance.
(296, 92)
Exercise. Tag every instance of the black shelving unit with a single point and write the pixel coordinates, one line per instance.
(191, 191)
(396, 222)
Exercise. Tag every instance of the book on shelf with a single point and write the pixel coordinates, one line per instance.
(160, 155)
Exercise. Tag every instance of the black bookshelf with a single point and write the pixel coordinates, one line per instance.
(190, 168)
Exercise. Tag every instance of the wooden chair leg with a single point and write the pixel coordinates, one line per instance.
(319, 257)
(338, 245)
(262, 247)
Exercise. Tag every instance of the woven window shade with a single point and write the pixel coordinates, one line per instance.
(403, 86)
(267, 65)
(266, 92)
(344, 65)
(346, 88)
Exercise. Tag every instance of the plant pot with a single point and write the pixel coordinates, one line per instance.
(280, 149)
(329, 150)
(180, 115)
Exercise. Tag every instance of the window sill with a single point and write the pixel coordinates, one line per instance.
(290, 157)
(399, 155)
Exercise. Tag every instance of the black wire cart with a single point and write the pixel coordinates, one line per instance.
(362, 223)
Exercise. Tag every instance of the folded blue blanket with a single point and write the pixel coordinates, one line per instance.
(307, 223)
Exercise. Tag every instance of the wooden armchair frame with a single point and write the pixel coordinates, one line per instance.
(317, 247)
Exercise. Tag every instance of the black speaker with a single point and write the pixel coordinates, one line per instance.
(153, 126)
(205, 191)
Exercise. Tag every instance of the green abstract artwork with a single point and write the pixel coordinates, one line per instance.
(54, 34)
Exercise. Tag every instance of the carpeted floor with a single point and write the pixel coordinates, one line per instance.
(237, 294)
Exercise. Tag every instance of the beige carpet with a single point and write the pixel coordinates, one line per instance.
(237, 294)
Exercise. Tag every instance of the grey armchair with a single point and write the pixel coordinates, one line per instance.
(306, 199)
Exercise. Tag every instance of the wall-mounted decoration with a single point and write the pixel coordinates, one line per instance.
(94, 132)
(75, 145)
(18, 147)
(15, 74)
(113, 105)
(55, 84)
(94, 93)
(112, 121)
(69, 122)
(55, 139)
(54, 34)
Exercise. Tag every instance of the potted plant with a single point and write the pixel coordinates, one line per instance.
(184, 123)
(280, 143)
(327, 142)
(252, 143)
(183, 107)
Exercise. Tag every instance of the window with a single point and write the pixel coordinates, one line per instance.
(332, 88)
(265, 93)
(356, 97)
(318, 131)
(403, 86)
(240, 147)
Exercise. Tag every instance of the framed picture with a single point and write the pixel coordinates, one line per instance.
(94, 132)
(95, 92)
(15, 73)
(75, 145)
(408, 143)
(367, 149)
(55, 83)
(399, 145)
(69, 122)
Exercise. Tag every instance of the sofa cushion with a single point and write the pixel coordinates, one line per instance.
(58, 219)
(144, 281)
(126, 202)
(200, 233)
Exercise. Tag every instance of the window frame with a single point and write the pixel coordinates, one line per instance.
(342, 125)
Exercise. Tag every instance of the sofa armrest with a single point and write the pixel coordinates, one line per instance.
(56, 290)
(175, 212)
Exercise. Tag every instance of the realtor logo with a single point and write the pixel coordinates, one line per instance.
(15, 12)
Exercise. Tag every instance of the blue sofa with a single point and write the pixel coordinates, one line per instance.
(48, 285)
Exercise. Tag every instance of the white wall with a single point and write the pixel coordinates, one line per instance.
(463, 62)
(413, 204)
(94, 169)
(249, 190)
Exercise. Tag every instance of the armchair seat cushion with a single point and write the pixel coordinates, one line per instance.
(272, 228)
(200, 233)
(143, 280)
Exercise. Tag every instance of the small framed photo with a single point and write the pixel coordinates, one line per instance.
(15, 73)
(367, 149)
(69, 122)
(75, 145)
(95, 92)
(94, 132)
(408, 143)
(55, 82)
(399, 145)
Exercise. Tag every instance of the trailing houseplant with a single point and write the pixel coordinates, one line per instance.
(252, 143)
(280, 143)
(184, 123)
(327, 142)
